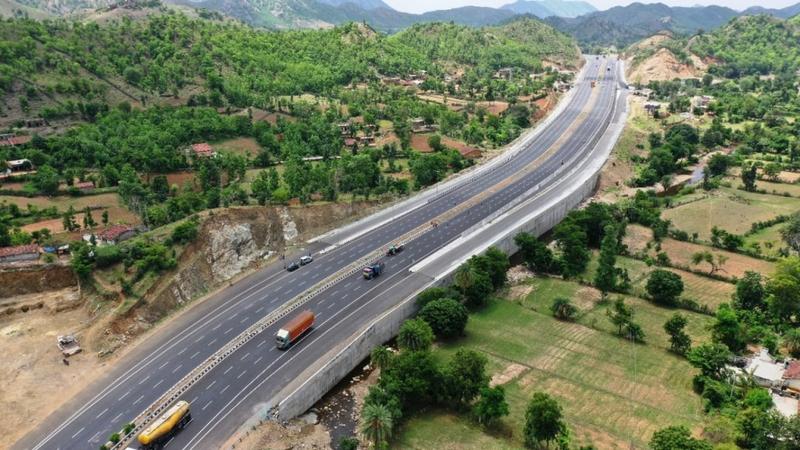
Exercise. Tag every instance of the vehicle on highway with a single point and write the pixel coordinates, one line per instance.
(395, 249)
(374, 270)
(306, 260)
(292, 266)
(294, 329)
(159, 432)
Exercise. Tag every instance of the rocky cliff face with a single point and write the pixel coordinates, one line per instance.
(233, 241)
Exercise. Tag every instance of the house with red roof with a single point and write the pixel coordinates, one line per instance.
(791, 376)
(17, 253)
(112, 235)
(203, 150)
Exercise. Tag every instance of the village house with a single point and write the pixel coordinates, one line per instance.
(418, 125)
(505, 73)
(346, 128)
(203, 150)
(470, 152)
(652, 108)
(701, 101)
(765, 370)
(19, 165)
(85, 186)
(12, 140)
(18, 253)
(112, 235)
(791, 376)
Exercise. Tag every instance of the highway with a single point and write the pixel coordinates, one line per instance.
(249, 379)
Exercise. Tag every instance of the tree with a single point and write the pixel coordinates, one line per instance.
(446, 317)
(749, 176)
(664, 287)
(606, 277)
(718, 164)
(105, 217)
(716, 261)
(634, 332)
(261, 187)
(790, 233)
(464, 377)
(46, 180)
(750, 292)
(727, 329)
(473, 284)
(620, 315)
(792, 341)
(376, 424)
(415, 335)
(710, 358)
(783, 289)
(537, 256)
(544, 421)
(575, 254)
(680, 342)
(380, 357)
(491, 406)
(68, 219)
(435, 142)
(434, 293)
(677, 438)
(88, 220)
(563, 309)
(495, 264)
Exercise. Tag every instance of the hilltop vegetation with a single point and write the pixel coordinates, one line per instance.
(754, 45)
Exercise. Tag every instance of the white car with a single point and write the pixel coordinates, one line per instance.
(305, 260)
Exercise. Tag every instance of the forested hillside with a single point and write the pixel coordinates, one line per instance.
(752, 45)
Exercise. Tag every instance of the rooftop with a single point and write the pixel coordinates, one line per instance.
(18, 250)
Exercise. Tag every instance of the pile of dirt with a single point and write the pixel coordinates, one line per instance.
(662, 66)
(32, 278)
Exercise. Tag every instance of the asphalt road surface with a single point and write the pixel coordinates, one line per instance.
(256, 372)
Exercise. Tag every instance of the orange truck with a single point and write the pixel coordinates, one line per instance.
(294, 329)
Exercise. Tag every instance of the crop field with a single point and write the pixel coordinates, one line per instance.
(117, 213)
(680, 253)
(613, 393)
(768, 239)
(705, 291)
(732, 210)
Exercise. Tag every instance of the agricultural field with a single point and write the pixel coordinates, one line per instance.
(730, 209)
(117, 213)
(614, 394)
(705, 291)
(680, 254)
(768, 240)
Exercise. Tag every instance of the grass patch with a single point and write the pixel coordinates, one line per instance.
(730, 209)
(613, 393)
(768, 240)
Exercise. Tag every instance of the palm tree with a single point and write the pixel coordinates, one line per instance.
(376, 424)
(380, 356)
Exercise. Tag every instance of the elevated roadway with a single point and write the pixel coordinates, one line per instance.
(251, 378)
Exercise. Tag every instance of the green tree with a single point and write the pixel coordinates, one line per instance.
(783, 289)
(491, 406)
(680, 342)
(88, 220)
(749, 176)
(575, 254)
(464, 377)
(790, 233)
(664, 287)
(710, 358)
(544, 421)
(105, 217)
(792, 341)
(46, 180)
(474, 285)
(677, 438)
(446, 317)
(620, 315)
(380, 357)
(376, 424)
(415, 335)
(68, 219)
(563, 309)
(537, 256)
(750, 292)
(605, 278)
(727, 329)
(435, 142)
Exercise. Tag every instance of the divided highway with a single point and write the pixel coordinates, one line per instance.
(249, 380)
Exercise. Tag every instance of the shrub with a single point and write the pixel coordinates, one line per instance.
(446, 317)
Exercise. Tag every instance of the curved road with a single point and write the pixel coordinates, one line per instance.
(248, 380)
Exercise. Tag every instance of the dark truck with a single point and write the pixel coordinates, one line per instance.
(395, 249)
(294, 329)
(373, 270)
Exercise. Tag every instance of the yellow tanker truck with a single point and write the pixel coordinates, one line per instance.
(162, 429)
